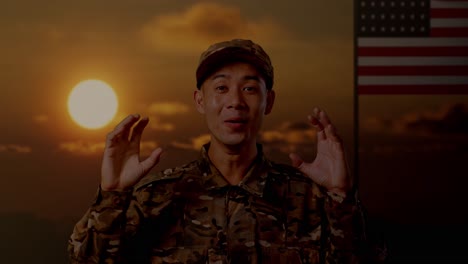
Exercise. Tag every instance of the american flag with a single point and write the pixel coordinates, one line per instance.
(411, 46)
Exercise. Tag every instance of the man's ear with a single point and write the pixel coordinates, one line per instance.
(270, 101)
(198, 99)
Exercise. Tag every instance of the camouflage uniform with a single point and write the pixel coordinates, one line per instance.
(191, 214)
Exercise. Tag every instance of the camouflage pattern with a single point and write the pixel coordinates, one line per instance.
(234, 50)
(191, 214)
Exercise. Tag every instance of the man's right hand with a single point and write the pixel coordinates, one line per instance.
(121, 166)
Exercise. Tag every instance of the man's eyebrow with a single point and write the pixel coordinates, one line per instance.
(247, 77)
(218, 76)
(252, 77)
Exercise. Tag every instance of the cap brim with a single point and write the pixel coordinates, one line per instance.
(226, 56)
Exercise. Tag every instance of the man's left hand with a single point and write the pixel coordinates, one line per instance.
(330, 168)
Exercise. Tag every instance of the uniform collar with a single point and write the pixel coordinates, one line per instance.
(253, 182)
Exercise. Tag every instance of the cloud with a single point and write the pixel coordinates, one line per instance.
(195, 143)
(157, 111)
(147, 146)
(40, 119)
(92, 148)
(202, 24)
(15, 148)
(168, 108)
(449, 119)
(82, 147)
(158, 125)
(290, 137)
(398, 148)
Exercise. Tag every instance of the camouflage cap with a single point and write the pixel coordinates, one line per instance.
(236, 50)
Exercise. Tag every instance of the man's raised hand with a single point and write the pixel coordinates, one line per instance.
(330, 168)
(121, 166)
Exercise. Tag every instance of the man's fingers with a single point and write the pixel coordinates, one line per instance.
(127, 122)
(316, 111)
(152, 160)
(320, 129)
(322, 122)
(330, 132)
(138, 130)
(315, 122)
(122, 130)
(323, 118)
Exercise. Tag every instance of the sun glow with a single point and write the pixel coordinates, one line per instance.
(92, 104)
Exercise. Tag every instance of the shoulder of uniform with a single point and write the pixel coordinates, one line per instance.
(170, 174)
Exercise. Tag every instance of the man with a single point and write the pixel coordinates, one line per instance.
(232, 205)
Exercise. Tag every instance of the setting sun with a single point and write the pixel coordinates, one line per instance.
(92, 104)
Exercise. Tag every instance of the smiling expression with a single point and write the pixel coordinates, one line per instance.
(234, 100)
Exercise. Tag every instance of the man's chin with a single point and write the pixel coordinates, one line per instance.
(234, 140)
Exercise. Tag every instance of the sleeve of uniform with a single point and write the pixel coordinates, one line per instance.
(97, 236)
(117, 227)
(345, 230)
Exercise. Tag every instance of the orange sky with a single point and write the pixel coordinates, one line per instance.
(148, 52)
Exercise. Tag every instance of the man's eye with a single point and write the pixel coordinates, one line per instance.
(249, 89)
(221, 88)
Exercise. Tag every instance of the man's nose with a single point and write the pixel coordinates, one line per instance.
(236, 99)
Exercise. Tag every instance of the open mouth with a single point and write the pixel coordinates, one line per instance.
(236, 121)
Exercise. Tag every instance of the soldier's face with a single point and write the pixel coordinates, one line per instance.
(234, 101)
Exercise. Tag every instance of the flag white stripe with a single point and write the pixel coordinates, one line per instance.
(449, 23)
(449, 4)
(412, 80)
(412, 42)
(412, 61)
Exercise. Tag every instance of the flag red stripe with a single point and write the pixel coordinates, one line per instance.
(449, 32)
(449, 13)
(412, 70)
(413, 51)
(412, 89)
